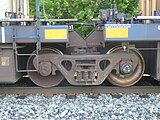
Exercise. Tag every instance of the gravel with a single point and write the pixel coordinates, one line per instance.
(104, 107)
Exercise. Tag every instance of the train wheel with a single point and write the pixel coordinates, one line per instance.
(40, 79)
(124, 80)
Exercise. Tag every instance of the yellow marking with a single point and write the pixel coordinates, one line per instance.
(116, 32)
(54, 34)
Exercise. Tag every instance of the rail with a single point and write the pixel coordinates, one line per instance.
(80, 90)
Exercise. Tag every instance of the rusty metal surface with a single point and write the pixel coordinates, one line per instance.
(80, 90)
(75, 40)
(38, 77)
(128, 79)
(68, 74)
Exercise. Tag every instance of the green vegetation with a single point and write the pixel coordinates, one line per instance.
(83, 10)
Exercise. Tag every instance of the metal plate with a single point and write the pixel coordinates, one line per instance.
(56, 33)
(136, 32)
(4, 61)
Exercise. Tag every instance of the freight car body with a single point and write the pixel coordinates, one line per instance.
(48, 54)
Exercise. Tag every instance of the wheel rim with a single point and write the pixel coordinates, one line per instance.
(128, 80)
(44, 81)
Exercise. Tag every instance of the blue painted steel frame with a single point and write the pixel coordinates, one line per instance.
(137, 32)
(28, 34)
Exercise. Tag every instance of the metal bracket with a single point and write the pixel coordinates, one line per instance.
(125, 46)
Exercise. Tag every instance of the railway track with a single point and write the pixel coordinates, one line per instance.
(79, 90)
